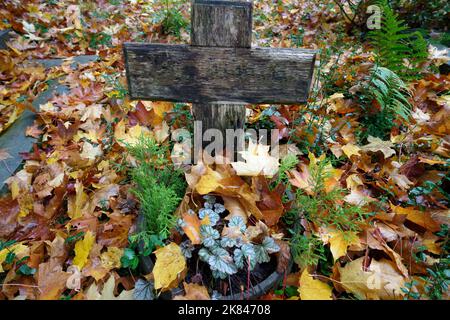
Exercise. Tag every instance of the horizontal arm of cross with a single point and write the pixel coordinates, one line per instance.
(182, 73)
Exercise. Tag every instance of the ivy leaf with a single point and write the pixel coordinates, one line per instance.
(209, 214)
(261, 253)
(221, 261)
(228, 242)
(219, 208)
(143, 290)
(270, 246)
(238, 222)
(209, 235)
(204, 254)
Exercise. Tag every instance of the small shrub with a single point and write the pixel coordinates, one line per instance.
(159, 187)
(328, 208)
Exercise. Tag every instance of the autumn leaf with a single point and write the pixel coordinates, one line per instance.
(82, 250)
(170, 267)
(380, 281)
(191, 227)
(19, 249)
(340, 241)
(235, 208)
(77, 203)
(193, 291)
(312, 289)
(351, 150)
(208, 182)
(376, 144)
(107, 292)
(51, 280)
(111, 258)
(421, 218)
(258, 161)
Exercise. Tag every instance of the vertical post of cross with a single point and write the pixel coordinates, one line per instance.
(221, 24)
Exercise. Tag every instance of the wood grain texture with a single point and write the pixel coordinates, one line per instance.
(221, 24)
(183, 73)
(224, 24)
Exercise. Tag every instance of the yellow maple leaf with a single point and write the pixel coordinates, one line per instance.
(111, 258)
(380, 280)
(376, 144)
(339, 242)
(82, 250)
(131, 135)
(312, 289)
(170, 267)
(208, 182)
(351, 150)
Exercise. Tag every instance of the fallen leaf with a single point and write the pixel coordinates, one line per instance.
(170, 267)
(376, 144)
(82, 250)
(312, 289)
(340, 241)
(380, 281)
(193, 291)
(107, 292)
(258, 161)
(192, 226)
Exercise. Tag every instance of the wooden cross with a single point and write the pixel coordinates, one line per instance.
(219, 72)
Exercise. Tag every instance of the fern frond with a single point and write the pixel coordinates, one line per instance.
(396, 48)
(390, 92)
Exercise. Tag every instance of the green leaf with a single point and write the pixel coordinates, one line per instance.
(129, 259)
(26, 270)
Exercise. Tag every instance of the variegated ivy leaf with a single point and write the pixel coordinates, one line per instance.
(211, 214)
(262, 251)
(219, 208)
(239, 258)
(238, 222)
(187, 248)
(262, 255)
(204, 254)
(228, 242)
(209, 235)
(270, 245)
(210, 201)
(219, 275)
(245, 254)
(220, 260)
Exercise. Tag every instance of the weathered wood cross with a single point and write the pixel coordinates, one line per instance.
(219, 72)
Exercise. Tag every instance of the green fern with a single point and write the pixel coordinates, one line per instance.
(390, 92)
(396, 48)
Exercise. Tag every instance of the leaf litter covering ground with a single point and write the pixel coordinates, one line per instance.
(65, 222)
